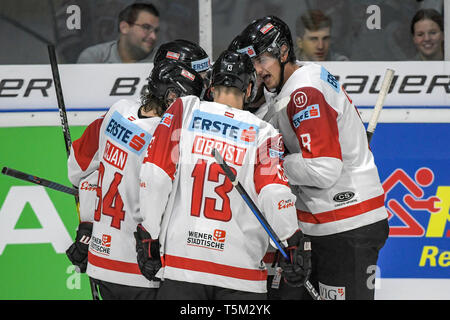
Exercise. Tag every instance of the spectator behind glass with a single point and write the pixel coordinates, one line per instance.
(427, 29)
(313, 38)
(138, 33)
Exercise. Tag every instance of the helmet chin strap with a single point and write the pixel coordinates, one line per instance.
(245, 101)
(280, 84)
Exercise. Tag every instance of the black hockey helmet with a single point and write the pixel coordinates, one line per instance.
(184, 51)
(174, 77)
(234, 69)
(235, 44)
(266, 34)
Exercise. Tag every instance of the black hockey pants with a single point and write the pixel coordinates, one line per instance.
(343, 265)
(181, 290)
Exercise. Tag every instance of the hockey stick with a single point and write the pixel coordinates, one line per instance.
(259, 216)
(65, 129)
(62, 110)
(388, 76)
(39, 181)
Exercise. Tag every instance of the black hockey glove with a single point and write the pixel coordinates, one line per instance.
(147, 250)
(78, 251)
(298, 269)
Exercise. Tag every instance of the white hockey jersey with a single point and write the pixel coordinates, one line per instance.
(207, 232)
(114, 146)
(331, 167)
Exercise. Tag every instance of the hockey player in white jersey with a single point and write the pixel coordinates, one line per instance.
(211, 244)
(115, 145)
(340, 200)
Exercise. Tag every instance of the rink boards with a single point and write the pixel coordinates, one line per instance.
(410, 146)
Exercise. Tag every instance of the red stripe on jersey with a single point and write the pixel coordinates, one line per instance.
(114, 265)
(86, 146)
(343, 213)
(268, 167)
(214, 268)
(163, 150)
(317, 133)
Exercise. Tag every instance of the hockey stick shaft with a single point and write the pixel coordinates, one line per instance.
(250, 202)
(230, 175)
(386, 84)
(60, 98)
(39, 181)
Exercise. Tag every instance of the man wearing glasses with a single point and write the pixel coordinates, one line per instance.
(138, 33)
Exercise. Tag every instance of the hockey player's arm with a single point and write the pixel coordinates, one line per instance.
(83, 159)
(319, 164)
(82, 166)
(275, 198)
(159, 168)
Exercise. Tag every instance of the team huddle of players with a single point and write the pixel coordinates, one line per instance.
(165, 222)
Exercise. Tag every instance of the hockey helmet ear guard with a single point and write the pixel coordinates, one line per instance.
(234, 69)
(172, 79)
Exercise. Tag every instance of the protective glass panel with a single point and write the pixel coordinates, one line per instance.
(361, 30)
(27, 26)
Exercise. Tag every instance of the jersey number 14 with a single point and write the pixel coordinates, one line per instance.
(112, 204)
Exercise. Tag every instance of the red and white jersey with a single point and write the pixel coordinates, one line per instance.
(207, 232)
(331, 167)
(114, 146)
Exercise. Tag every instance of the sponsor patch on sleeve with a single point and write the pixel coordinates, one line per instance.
(310, 112)
(330, 79)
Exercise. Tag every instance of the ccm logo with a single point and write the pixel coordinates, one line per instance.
(343, 196)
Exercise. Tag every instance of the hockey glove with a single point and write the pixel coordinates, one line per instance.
(78, 251)
(147, 250)
(298, 269)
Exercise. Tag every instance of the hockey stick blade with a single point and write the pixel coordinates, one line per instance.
(230, 175)
(384, 90)
(39, 181)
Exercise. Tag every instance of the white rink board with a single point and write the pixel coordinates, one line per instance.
(94, 86)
